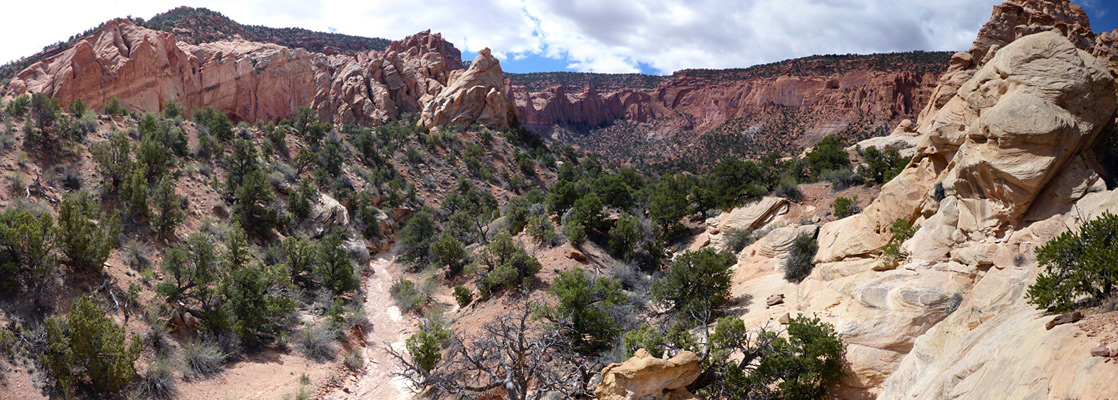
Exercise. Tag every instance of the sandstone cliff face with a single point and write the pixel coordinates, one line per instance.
(1001, 167)
(262, 81)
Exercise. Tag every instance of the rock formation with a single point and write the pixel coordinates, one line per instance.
(473, 96)
(261, 81)
(1009, 21)
(1004, 161)
(644, 377)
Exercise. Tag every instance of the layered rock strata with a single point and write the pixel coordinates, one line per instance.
(251, 81)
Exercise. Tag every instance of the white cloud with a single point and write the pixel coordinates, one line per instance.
(589, 35)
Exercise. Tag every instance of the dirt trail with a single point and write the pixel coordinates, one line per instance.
(386, 325)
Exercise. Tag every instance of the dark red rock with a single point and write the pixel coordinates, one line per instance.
(1064, 319)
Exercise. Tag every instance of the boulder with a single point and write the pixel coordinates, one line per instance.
(777, 244)
(774, 299)
(644, 377)
(326, 214)
(752, 215)
(1064, 319)
(1100, 351)
(358, 250)
(577, 256)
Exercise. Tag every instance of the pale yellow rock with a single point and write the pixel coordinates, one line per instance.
(476, 96)
(778, 243)
(752, 215)
(326, 214)
(644, 377)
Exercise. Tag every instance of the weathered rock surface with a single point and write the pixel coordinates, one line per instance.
(326, 214)
(261, 81)
(644, 377)
(1002, 164)
(1008, 22)
(1064, 319)
(752, 215)
(474, 96)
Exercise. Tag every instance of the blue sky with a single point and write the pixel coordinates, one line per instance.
(1103, 14)
(617, 36)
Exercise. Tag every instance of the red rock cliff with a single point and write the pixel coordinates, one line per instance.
(257, 81)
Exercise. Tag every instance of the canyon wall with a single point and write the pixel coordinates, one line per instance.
(252, 81)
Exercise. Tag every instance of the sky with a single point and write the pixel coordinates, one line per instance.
(614, 36)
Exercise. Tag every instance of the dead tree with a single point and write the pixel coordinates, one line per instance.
(514, 353)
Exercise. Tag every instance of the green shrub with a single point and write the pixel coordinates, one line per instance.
(891, 253)
(1078, 265)
(501, 276)
(158, 382)
(882, 166)
(841, 178)
(330, 160)
(84, 234)
(799, 264)
(576, 234)
(335, 269)
(306, 122)
(425, 346)
(828, 154)
(114, 108)
(845, 206)
(77, 107)
(561, 197)
(189, 277)
(46, 112)
(255, 308)
(18, 106)
(416, 236)
(463, 295)
(166, 208)
(25, 247)
(697, 284)
(583, 309)
(738, 239)
(624, 235)
(317, 342)
(413, 156)
(788, 188)
(173, 109)
(801, 365)
(541, 229)
(509, 265)
(253, 206)
(407, 295)
(133, 194)
(114, 158)
(202, 358)
(449, 252)
(86, 350)
(216, 122)
(366, 214)
(301, 255)
(300, 201)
